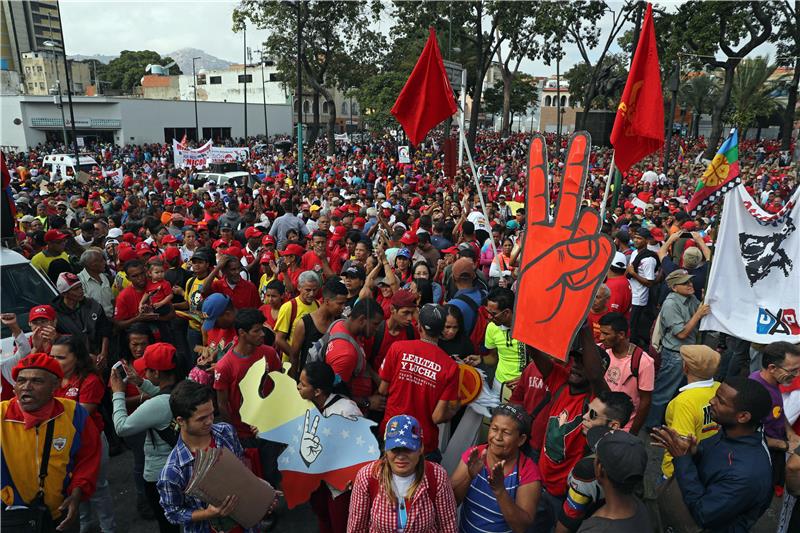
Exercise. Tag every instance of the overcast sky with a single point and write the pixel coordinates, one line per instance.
(110, 26)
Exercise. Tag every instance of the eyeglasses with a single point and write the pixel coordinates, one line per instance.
(494, 314)
(790, 372)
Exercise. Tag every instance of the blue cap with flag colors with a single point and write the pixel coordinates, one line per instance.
(403, 431)
(213, 307)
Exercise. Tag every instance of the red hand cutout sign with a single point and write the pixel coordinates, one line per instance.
(564, 257)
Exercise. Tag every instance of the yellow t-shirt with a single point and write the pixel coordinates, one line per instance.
(511, 357)
(689, 414)
(262, 287)
(285, 314)
(120, 282)
(194, 296)
(42, 262)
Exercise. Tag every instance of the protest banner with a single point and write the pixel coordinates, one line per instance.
(755, 279)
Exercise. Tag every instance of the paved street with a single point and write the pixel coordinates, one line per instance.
(302, 519)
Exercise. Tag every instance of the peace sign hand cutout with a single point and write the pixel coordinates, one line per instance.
(310, 446)
(564, 257)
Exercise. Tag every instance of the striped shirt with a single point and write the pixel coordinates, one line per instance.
(480, 511)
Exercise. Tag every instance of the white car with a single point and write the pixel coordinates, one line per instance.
(22, 287)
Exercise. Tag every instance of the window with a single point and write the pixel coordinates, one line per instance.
(354, 108)
(325, 107)
(27, 70)
(38, 68)
(30, 86)
(306, 106)
(215, 80)
(274, 77)
(563, 101)
(245, 78)
(547, 101)
(345, 109)
(201, 79)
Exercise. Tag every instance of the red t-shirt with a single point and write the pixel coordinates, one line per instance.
(564, 443)
(269, 320)
(311, 261)
(388, 340)
(343, 358)
(419, 375)
(85, 390)
(243, 295)
(221, 339)
(529, 393)
(620, 300)
(164, 290)
(594, 322)
(127, 305)
(231, 369)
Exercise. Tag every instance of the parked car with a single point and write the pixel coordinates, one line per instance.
(65, 163)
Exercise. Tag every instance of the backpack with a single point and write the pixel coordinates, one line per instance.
(319, 349)
(381, 334)
(636, 359)
(170, 433)
(482, 319)
(433, 486)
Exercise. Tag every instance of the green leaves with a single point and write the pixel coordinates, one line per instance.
(125, 71)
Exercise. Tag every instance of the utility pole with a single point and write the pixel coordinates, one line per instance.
(244, 28)
(264, 94)
(69, 87)
(196, 121)
(673, 85)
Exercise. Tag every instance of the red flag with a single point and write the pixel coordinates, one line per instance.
(639, 126)
(427, 98)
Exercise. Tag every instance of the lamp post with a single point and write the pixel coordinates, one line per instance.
(244, 32)
(264, 95)
(299, 91)
(60, 103)
(54, 46)
(196, 121)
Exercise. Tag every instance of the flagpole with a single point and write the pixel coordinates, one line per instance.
(608, 188)
(474, 175)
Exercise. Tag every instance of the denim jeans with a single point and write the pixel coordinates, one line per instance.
(547, 513)
(668, 379)
(101, 501)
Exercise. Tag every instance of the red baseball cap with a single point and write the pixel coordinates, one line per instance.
(267, 240)
(266, 257)
(39, 360)
(360, 222)
(338, 233)
(143, 248)
(218, 243)
(42, 311)
(451, 250)
(409, 237)
(157, 356)
(252, 232)
(657, 234)
(126, 254)
(235, 251)
(169, 239)
(171, 253)
(55, 235)
(294, 249)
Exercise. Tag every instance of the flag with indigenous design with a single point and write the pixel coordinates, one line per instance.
(721, 175)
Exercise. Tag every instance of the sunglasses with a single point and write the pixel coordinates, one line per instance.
(594, 415)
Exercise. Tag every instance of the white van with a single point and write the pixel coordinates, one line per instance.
(23, 287)
(65, 162)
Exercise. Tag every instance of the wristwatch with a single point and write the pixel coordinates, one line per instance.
(365, 404)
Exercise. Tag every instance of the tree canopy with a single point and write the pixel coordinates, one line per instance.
(127, 70)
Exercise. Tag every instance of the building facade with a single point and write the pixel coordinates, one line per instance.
(24, 27)
(44, 71)
(26, 121)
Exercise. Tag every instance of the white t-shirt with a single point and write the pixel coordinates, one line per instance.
(649, 177)
(647, 270)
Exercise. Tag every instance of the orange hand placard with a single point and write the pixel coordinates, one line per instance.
(564, 257)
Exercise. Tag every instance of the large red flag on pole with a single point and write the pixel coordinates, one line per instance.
(639, 126)
(426, 98)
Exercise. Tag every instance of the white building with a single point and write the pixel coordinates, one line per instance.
(29, 120)
(228, 85)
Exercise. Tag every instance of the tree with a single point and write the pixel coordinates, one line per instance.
(523, 97)
(711, 28)
(752, 93)
(577, 22)
(610, 82)
(699, 92)
(127, 70)
(338, 44)
(787, 39)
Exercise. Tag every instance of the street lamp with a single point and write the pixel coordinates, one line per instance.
(196, 122)
(54, 46)
(264, 95)
(60, 103)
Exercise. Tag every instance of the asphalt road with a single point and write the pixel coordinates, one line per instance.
(302, 519)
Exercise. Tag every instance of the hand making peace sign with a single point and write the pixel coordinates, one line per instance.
(564, 257)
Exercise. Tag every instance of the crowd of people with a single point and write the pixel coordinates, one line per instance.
(376, 282)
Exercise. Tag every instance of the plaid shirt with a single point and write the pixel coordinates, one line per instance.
(380, 515)
(175, 476)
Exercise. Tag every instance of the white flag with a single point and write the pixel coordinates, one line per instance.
(754, 287)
